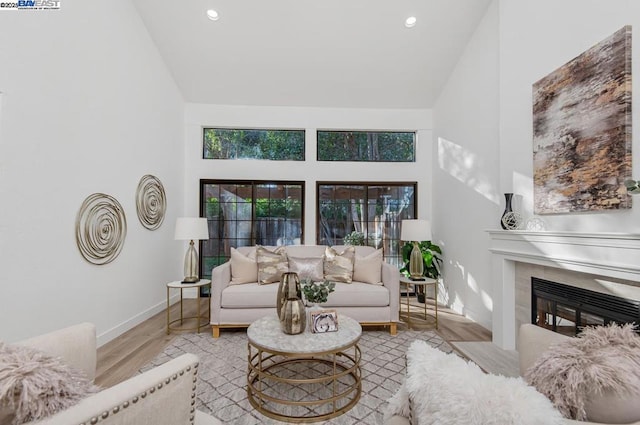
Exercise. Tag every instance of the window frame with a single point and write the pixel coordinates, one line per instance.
(304, 143)
(253, 182)
(367, 185)
(412, 160)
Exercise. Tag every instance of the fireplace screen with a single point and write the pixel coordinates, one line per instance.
(567, 309)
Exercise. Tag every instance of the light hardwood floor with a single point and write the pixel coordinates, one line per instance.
(122, 357)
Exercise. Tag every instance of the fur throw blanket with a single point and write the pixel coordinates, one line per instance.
(602, 359)
(444, 389)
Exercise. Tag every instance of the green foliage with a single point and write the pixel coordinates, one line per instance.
(633, 186)
(317, 292)
(212, 207)
(373, 146)
(430, 255)
(289, 208)
(278, 145)
(354, 238)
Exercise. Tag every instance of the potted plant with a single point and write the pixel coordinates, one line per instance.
(432, 262)
(317, 293)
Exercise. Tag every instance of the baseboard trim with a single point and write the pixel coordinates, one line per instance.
(121, 328)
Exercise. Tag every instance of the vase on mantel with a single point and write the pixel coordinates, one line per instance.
(508, 199)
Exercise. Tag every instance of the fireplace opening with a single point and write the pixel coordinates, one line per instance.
(567, 309)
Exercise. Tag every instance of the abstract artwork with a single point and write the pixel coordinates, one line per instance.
(100, 228)
(582, 131)
(151, 202)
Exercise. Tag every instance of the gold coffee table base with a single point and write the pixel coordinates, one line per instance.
(272, 376)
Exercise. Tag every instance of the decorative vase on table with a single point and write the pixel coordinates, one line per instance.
(289, 288)
(508, 199)
(290, 308)
(293, 317)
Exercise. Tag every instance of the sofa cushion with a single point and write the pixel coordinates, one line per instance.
(338, 267)
(244, 269)
(594, 377)
(34, 385)
(358, 294)
(307, 268)
(250, 295)
(368, 269)
(271, 264)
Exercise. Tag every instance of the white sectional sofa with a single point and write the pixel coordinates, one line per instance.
(234, 306)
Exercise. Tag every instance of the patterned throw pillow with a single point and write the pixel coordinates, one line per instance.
(368, 269)
(271, 264)
(307, 268)
(339, 267)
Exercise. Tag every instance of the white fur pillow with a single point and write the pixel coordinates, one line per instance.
(243, 269)
(594, 377)
(446, 390)
(34, 385)
(368, 269)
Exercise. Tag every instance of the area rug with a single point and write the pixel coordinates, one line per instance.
(222, 374)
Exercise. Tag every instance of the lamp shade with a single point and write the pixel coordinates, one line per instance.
(415, 230)
(191, 228)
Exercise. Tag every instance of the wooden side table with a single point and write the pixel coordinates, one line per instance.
(424, 283)
(202, 283)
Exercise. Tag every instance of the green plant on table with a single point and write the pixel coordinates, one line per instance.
(317, 293)
(431, 259)
(354, 238)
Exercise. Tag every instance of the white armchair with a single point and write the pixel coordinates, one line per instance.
(164, 395)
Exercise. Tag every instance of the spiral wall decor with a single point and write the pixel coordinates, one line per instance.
(100, 228)
(151, 202)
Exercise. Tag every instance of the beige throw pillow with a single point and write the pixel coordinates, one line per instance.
(307, 268)
(271, 264)
(243, 269)
(339, 267)
(368, 269)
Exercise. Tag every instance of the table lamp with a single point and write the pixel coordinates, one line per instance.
(190, 229)
(416, 231)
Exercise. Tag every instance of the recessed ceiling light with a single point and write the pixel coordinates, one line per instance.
(410, 22)
(212, 14)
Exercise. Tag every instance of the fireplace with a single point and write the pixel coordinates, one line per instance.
(601, 262)
(567, 309)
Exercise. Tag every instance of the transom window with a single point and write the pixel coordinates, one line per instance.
(366, 214)
(276, 145)
(246, 213)
(368, 146)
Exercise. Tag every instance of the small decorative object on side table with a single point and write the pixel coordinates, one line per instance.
(202, 283)
(424, 283)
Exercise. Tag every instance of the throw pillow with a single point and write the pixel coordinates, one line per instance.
(444, 389)
(368, 269)
(339, 267)
(34, 385)
(271, 264)
(595, 377)
(307, 268)
(243, 269)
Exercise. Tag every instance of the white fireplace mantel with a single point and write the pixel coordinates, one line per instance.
(615, 255)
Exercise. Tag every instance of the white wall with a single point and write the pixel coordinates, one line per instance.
(535, 39)
(466, 172)
(198, 116)
(87, 106)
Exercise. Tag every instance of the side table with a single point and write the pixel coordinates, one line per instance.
(202, 283)
(424, 283)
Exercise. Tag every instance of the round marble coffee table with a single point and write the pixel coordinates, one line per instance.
(303, 378)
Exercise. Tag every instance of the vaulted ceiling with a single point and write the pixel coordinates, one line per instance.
(322, 53)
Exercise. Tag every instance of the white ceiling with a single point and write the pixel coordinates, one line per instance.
(323, 53)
